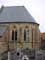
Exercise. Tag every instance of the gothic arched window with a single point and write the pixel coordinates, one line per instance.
(14, 35)
(26, 35)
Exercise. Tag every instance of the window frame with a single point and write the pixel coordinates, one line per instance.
(14, 32)
(26, 35)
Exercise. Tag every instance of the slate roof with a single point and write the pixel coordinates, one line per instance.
(15, 14)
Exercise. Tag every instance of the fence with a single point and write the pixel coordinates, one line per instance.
(19, 54)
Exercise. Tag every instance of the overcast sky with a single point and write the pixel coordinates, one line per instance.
(35, 7)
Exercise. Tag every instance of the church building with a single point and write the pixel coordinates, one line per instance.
(18, 29)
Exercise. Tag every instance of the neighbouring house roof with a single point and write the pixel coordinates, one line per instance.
(15, 14)
(2, 30)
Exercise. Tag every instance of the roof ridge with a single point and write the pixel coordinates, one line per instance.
(14, 6)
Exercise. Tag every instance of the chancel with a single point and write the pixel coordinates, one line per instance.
(18, 29)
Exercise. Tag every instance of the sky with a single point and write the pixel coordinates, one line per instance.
(35, 7)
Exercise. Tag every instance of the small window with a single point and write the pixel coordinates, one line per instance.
(32, 38)
(14, 35)
(27, 33)
(24, 35)
(36, 35)
(0, 36)
(43, 44)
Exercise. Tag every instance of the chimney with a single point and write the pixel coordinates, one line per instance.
(1, 8)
